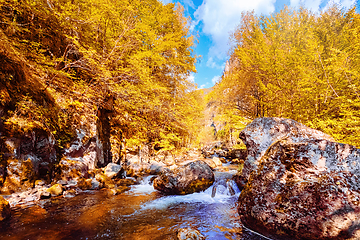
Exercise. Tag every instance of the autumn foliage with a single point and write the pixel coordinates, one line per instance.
(299, 65)
(125, 61)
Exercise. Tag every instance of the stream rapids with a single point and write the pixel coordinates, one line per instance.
(140, 213)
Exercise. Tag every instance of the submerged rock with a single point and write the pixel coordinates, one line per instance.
(304, 190)
(262, 132)
(4, 209)
(192, 177)
(189, 234)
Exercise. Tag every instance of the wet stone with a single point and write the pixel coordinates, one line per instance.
(192, 177)
(189, 234)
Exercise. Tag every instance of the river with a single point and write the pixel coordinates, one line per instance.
(140, 213)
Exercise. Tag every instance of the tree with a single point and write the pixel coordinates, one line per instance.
(120, 65)
(298, 65)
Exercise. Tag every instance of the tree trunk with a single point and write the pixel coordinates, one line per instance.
(103, 129)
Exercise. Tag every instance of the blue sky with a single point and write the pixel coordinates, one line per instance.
(214, 20)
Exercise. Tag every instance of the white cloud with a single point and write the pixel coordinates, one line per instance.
(206, 85)
(191, 78)
(314, 5)
(215, 79)
(188, 3)
(219, 18)
(343, 3)
(212, 64)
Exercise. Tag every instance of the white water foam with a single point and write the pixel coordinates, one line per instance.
(144, 187)
(222, 196)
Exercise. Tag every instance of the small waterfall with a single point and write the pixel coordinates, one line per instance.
(228, 188)
(145, 186)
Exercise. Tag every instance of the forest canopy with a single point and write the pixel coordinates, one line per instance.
(296, 64)
(122, 64)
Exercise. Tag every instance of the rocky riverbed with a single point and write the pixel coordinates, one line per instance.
(296, 182)
(140, 213)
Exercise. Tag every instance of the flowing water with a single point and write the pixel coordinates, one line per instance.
(141, 213)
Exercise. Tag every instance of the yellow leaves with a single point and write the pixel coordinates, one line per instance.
(4, 97)
(298, 65)
(86, 51)
(76, 104)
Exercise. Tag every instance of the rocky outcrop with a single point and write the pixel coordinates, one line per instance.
(262, 132)
(304, 190)
(84, 151)
(192, 177)
(25, 159)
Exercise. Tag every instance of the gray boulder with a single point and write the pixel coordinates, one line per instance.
(259, 135)
(192, 177)
(304, 190)
(113, 170)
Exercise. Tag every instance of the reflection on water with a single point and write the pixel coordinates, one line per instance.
(141, 213)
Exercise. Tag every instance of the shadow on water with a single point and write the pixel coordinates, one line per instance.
(141, 213)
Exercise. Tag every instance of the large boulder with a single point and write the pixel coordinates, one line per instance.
(25, 158)
(192, 177)
(262, 132)
(83, 152)
(304, 190)
(156, 167)
(214, 162)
